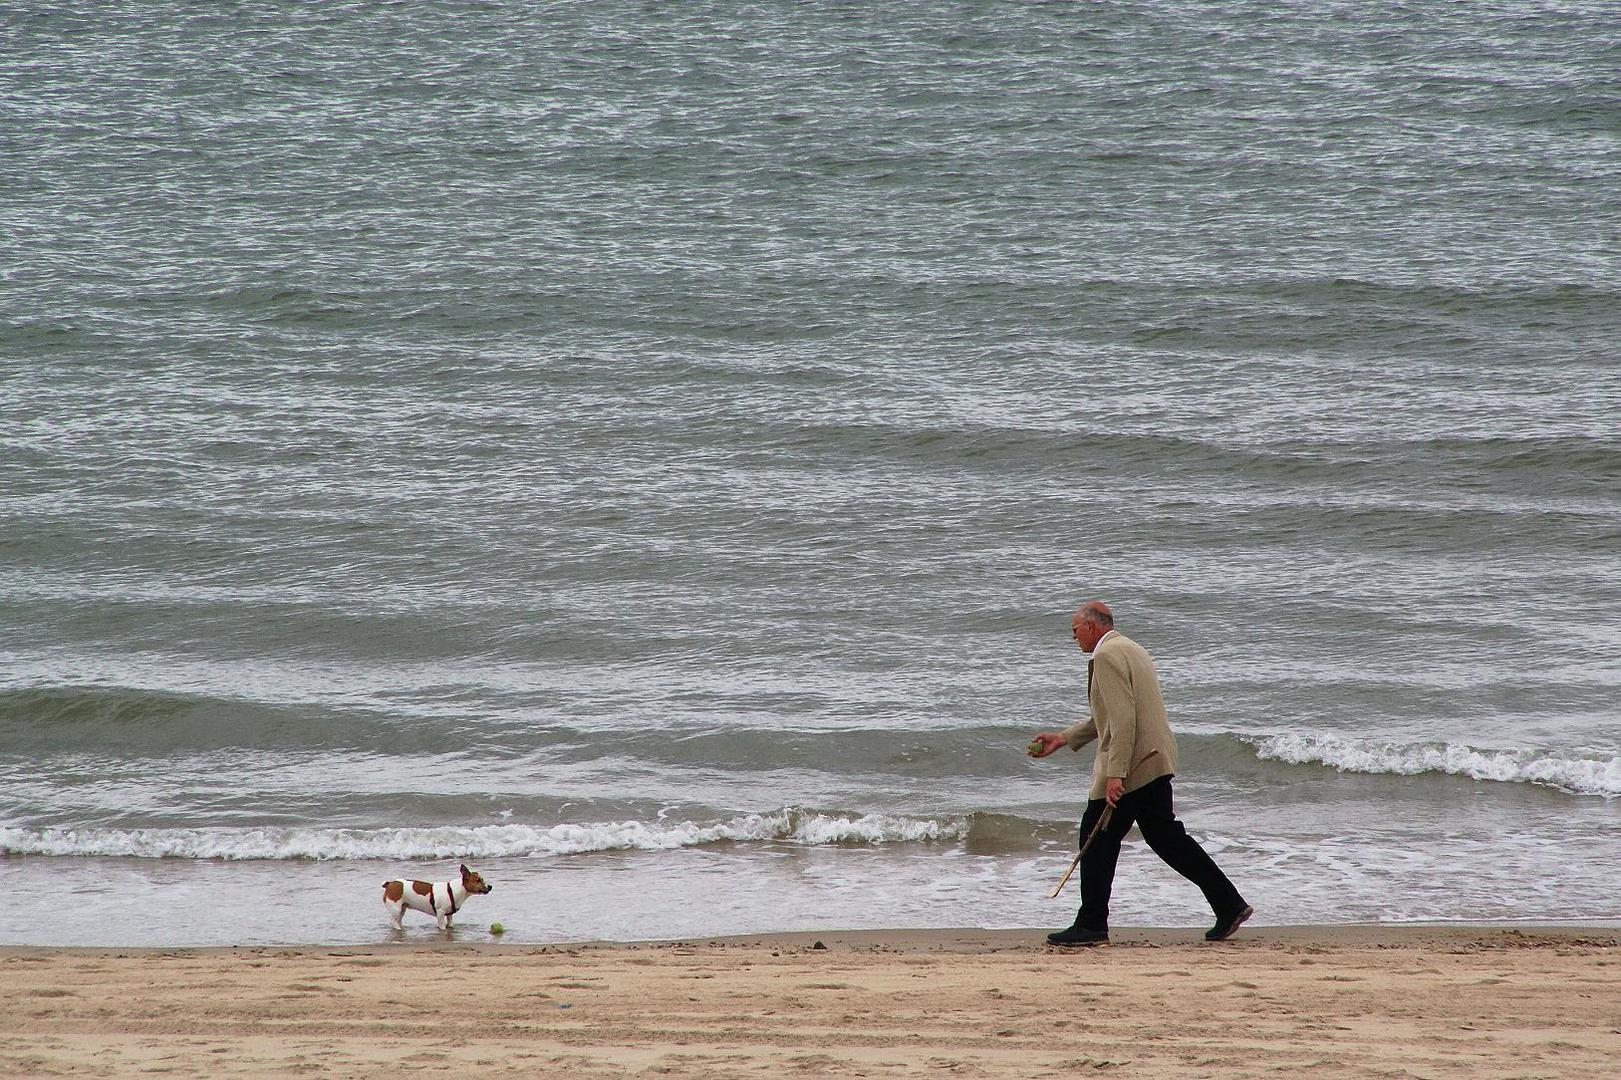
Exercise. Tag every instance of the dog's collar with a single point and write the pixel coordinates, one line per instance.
(450, 894)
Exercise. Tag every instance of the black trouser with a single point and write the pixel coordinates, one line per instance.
(1149, 808)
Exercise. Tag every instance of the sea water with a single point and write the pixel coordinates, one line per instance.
(650, 453)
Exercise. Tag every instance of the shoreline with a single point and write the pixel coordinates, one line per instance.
(951, 939)
(1445, 1002)
(972, 939)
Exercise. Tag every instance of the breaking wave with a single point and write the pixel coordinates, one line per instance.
(1578, 775)
(481, 842)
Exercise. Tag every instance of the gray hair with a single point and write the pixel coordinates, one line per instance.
(1097, 611)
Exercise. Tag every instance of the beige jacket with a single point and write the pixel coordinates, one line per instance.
(1128, 717)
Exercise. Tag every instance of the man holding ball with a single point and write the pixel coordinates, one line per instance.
(1136, 758)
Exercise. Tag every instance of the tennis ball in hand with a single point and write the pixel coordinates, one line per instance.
(1035, 747)
(497, 928)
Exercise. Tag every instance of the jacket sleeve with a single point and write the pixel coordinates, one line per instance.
(1117, 707)
(1078, 735)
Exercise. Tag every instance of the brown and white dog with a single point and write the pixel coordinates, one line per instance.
(440, 899)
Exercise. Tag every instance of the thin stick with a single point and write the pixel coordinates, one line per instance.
(1102, 823)
(1103, 820)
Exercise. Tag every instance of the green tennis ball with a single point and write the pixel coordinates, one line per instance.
(1034, 748)
(497, 928)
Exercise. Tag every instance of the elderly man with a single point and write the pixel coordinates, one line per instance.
(1136, 758)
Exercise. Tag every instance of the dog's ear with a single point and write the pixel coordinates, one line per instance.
(465, 871)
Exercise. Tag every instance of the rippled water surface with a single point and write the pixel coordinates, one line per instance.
(651, 454)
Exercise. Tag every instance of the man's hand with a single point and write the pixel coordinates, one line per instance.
(1044, 743)
(1113, 789)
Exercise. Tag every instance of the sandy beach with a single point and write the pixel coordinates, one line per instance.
(1340, 1001)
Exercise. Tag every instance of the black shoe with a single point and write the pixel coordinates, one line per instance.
(1078, 935)
(1227, 925)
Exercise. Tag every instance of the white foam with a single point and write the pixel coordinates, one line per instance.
(480, 842)
(1597, 775)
